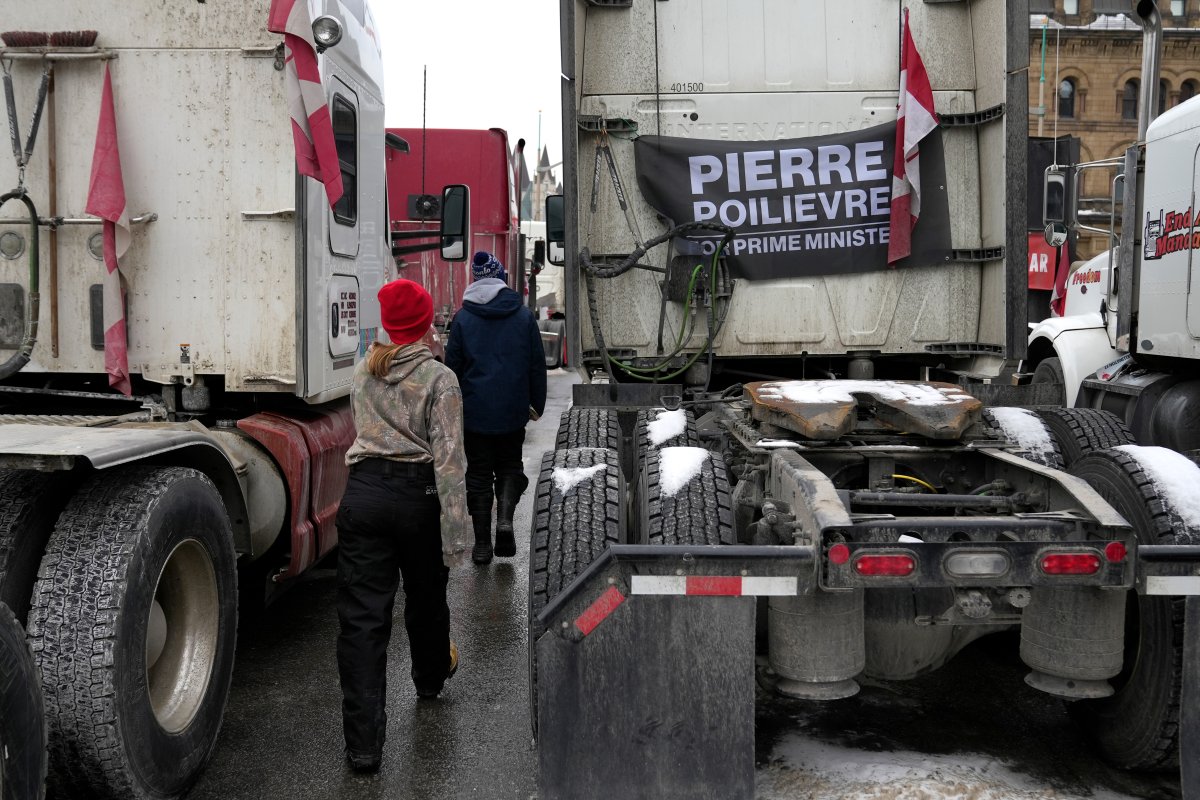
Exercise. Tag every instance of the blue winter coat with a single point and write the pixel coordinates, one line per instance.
(495, 349)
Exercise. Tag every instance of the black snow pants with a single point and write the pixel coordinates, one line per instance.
(494, 466)
(389, 527)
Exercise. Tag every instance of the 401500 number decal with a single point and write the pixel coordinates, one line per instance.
(686, 87)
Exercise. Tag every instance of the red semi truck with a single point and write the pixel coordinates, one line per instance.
(479, 159)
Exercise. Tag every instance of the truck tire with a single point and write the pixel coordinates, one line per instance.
(570, 530)
(698, 513)
(689, 437)
(22, 730)
(1079, 431)
(1049, 370)
(140, 568)
(588, 427)
(30, 502)
(1138, 726)
(1050, 457)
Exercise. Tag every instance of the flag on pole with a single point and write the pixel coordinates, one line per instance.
(1058, 296)
(312, 130)
(915, 120)
(106, 199)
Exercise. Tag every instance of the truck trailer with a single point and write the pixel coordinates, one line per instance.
(798, 458)
(154, 468)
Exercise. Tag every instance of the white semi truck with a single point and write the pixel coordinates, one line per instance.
(769, 410)
(130, 522)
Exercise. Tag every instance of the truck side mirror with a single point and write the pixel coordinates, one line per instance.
(1056, 234)
(454, 231)
(556, 229)
(1054, 196)
(539, 252)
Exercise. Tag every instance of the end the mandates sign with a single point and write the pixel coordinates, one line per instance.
(815, 206)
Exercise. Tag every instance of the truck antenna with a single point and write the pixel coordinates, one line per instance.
(424, 95)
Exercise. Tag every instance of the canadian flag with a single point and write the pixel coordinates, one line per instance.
(106, 199)
(312, 131)
(915, 120)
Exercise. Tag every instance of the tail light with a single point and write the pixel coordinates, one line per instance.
(986, 564)
(1070, 563)
(1115, 552)
(891, 565)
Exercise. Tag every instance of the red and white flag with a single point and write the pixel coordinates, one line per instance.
(916, 119)
(106, 199)
(312, 131)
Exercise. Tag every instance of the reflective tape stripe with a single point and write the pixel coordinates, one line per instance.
(712, 585)
(1172, 584)
(598, 611)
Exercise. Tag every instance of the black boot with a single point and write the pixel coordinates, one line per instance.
(481, 553)
(509, 489)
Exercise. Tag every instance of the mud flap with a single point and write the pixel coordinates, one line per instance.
(656, 701)
(1189, 707)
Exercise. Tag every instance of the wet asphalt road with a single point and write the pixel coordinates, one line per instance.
(282, 732)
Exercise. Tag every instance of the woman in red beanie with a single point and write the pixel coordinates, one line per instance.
(403, 515)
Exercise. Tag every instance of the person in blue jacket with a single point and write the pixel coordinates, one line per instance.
(495, 349)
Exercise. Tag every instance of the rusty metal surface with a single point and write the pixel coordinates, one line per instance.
(828, 409)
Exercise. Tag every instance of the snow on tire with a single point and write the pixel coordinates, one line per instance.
(1138, 726)
(1028, 432)
(683, 498)
(133, 623)
(658, 428)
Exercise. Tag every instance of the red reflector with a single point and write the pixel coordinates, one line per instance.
(1071, 564)
(839, 554)
(1115, 551)
(890, 565)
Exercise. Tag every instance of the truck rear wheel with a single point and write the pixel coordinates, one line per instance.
(140, 568)
(1079, 431)
(22, 730)
(30, 502)
(647, 432)
(1138, 726)
(577, 513)
(699, 512)
(588, 427)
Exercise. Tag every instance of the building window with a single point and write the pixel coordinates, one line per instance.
(1066, 98)
(1071, 7)
(1177, 8)
(1129, 100)
(1187, 91)
(345, 135)
(1162, 96)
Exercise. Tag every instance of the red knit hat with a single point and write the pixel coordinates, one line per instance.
(406, 310)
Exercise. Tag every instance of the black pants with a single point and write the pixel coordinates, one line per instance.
(388, 526)
(492, 460)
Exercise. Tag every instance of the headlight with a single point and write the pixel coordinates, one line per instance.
(12, 244)
(327, 31)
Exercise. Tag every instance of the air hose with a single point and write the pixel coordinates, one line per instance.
(19, 359)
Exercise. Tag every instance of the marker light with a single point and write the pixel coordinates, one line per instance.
(1070, 563)
(1115, 552)
(966, 563)
(891, 565)
(839, 553)
(327, 31)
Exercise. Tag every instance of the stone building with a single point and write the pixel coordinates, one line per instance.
(1092, 77)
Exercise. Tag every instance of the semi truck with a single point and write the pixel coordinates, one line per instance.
(1124, 340)
(789, 461)
(141, 494)
(478, 159)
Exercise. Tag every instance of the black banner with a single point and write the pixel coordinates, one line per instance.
(814, 206)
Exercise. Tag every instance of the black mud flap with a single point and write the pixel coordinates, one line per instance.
(645, 689)
(1189, 707)
(657, 701)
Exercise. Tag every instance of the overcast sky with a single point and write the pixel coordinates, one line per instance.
(489, 65)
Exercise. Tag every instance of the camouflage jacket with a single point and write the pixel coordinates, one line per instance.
(415, 414)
